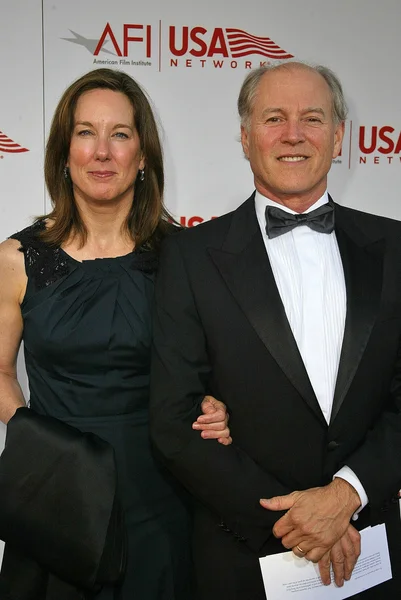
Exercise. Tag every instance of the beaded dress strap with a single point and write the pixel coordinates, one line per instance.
(44, 264)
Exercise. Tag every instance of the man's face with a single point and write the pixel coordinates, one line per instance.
(291, 138)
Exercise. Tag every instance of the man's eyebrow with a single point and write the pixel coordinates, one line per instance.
(272, 109)
(309, 109)
(314, 109)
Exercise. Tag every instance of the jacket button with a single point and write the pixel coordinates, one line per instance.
(332, 445)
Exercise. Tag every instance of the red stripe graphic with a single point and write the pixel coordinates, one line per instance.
(8, 145)
(243, 43)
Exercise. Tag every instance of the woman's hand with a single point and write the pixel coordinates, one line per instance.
(213, 424)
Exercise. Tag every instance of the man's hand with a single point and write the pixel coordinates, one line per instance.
(315, 519)
(342, 557)
(213, 424)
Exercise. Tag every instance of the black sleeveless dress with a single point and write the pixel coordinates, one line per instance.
(87, 335)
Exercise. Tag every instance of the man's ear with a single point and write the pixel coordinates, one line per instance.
(338, 139)
(245, 140)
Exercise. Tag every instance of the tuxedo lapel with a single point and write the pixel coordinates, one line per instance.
(363, 265)
(244, 265)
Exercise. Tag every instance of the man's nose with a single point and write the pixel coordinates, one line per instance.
(293, 132)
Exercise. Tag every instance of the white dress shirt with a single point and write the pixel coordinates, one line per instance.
(309, 275)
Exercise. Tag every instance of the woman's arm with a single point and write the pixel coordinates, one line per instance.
(12, 289)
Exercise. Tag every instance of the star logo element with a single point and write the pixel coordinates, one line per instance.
(87, 43)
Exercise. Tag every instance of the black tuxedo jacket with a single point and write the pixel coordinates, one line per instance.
(220, 328)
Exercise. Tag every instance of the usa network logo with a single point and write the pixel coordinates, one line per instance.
(370, 145)
(9, 146)
(379, 144)
(220, 47)
(172, 46)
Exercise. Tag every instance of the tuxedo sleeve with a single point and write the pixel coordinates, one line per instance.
(224, 478)
(377, 462)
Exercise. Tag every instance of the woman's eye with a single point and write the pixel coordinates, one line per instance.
(84, 132)
(121, 134)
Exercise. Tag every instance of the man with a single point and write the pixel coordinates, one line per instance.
(295, 323)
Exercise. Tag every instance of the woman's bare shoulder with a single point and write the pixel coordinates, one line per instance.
(12, 265)
(10, 251)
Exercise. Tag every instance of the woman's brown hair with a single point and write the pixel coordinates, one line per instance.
(148, 219)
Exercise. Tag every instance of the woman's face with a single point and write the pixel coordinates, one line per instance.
(105, 152)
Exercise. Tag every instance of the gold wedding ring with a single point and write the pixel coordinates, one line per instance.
(300, 550)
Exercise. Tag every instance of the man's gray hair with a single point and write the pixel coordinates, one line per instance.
(249, 88)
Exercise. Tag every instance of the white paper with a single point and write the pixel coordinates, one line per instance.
(287, 577)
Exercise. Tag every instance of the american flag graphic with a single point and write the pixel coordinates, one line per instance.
(242, 44)
(8, 145)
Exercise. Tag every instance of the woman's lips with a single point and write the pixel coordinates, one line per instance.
(102, 174)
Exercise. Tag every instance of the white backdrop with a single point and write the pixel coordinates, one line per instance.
(184, 55)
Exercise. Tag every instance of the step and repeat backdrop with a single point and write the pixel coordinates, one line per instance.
(191, 58)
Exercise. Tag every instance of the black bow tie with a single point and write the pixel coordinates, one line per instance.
(279, 221)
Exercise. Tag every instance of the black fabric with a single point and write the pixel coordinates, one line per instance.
(24, 579)
(58, 508)
(279, 221)
(87, 336)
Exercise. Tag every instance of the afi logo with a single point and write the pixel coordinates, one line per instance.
(132, 33)
(385, 140)
(227, 42)
(8, 145)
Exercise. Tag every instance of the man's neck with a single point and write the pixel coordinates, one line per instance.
(298, 204)
(261, 201)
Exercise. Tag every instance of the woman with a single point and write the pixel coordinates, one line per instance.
(81, 302)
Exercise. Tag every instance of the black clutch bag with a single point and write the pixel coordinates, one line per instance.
(59, 509)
